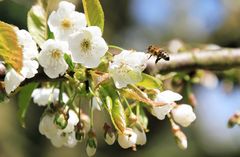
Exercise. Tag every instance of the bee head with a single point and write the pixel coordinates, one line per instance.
(150, 47)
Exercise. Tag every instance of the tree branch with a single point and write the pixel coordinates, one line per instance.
(222, 59)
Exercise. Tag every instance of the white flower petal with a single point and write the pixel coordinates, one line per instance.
(127, 67)
(72, 121)
(12, 80)
(51, 58)
(141, 136)
(127, 139)
(183, 115)
(168, 96)
(161, 111)
(29, 68)
(47, 127)
(87, 47)
(65, 21)
(43, 96)
(95, 30)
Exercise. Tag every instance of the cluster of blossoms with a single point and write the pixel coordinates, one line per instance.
(106, 81)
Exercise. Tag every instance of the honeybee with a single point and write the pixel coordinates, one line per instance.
(158, 52)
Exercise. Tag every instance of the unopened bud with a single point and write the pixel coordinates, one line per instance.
(132, 118)
(183, 114)
(109, 134)
(61, 120)
(234, 120)
(91, 147)
(181, 139)
(80, 75)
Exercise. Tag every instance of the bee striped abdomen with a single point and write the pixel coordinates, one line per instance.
(158, 52)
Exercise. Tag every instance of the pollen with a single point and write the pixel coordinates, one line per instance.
(66, 23)
(85, 45)
(56, 54)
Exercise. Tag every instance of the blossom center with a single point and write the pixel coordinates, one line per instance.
(66, 23)
(56, 54)
(85, 45)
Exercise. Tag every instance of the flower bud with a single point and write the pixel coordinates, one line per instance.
(91, 147)
(61, 120)
(141, 136)
(127, 139)
(80, 75)
(234, 120)
(109, 134)
(181, 139)
(183, 115)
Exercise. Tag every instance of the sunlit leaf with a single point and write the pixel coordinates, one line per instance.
(10, 51)
(138, 96)
(37, 24)
(149, 82)
(113, 105)
(94, 13)
(118, 115)
(24, 101)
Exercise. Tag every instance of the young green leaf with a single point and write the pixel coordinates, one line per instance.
(10, 51)
(69, 62)
(149, 82)
(24, 101)
(118, 115)
(37, 23)
(94, 13)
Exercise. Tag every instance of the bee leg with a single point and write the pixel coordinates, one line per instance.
(158, 58)
(149, 56)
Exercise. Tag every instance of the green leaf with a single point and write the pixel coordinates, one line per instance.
(113, 105)
(37, 23)
(24, 101)
(69, 62)
(118, 115)
(149, 82)
(10, 50)
(94, 13)
(142, 118)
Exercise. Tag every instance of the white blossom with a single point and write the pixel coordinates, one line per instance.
(127, 139)
(59, 137)
(29, 68)
(66, 21)
(30, 52)
(141, 136)
(127, 67)
(87, 46)
(51, 58)
(183, 114)
(43, 96)
(12, 80)
(168, 97)
(47, 127)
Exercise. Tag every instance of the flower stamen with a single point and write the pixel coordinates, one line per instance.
(86, 45)
(66, 23)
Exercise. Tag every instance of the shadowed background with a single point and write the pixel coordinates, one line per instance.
(136, 24)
